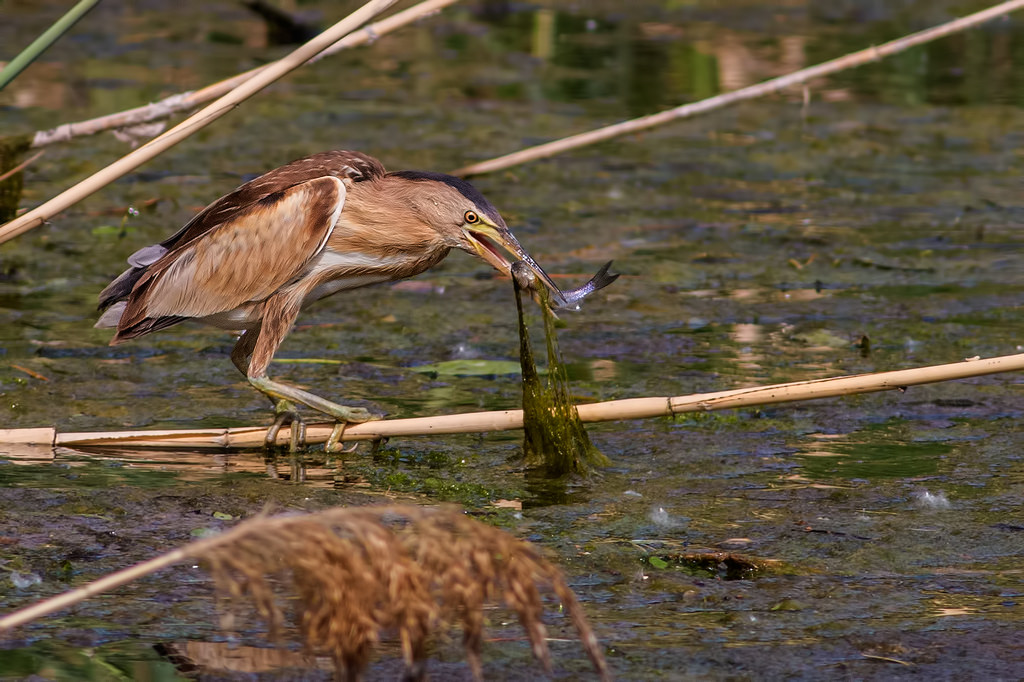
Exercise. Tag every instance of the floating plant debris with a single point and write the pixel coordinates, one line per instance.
(721, 565)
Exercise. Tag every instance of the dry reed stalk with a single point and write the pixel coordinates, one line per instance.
(189, 100)
(504, 420)
(194, 123)
(360, 572)
(851, 60)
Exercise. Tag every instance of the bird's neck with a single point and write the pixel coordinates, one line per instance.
(379, 221)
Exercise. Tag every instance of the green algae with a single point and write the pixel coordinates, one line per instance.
(554, 439)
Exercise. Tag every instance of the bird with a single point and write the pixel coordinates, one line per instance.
(330, 222)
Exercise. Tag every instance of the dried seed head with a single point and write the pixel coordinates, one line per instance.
(359, 572)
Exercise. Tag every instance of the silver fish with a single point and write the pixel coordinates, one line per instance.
(570, 299)
(562, 300)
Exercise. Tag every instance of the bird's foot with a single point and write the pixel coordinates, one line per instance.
(345, 414)
(286, 414)
(287, 395)
(333, 444)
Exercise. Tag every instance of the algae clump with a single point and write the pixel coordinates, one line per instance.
(554, 441)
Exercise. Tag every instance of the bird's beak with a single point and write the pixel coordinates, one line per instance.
(486, 240)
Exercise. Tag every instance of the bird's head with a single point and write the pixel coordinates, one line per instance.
(466, 220)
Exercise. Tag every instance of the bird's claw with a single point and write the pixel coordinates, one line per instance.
(287, 396)
(333, 444)
(345, 416)
(352, 415)
(287, 414)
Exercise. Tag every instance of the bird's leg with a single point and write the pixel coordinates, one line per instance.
(333, 443)
(286, 395)
(285, 411)
(242, 351)
(276, 390)
(257, 351)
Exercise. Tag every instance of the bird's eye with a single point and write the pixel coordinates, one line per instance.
(471, 217)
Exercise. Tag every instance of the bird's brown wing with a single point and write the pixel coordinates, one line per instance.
(245, 258)
(354, 166)
(347, 165)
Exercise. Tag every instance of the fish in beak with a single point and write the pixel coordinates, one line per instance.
(487, 240)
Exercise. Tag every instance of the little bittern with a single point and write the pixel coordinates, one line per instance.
(329, 222)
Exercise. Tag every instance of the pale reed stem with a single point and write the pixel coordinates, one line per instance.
(477, 422)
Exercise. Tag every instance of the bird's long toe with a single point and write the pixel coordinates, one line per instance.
(352, 415)
(291, 394)
(286, 414)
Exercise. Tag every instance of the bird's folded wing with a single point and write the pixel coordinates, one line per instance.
(348, 165)
(246, 258)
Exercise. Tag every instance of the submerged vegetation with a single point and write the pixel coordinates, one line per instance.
(12, 149)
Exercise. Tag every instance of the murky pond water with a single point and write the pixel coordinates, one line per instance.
(757, 245)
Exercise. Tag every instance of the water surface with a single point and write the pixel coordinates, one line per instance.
(759, 244)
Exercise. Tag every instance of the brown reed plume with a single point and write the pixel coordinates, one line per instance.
(362, 572)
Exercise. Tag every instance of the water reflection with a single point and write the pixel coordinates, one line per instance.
(648, 65)
(574, 54)
(42, 466)
(747, 338)
(879, 452)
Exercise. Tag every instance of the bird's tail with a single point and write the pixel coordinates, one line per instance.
(121, 288)
(111, 317)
